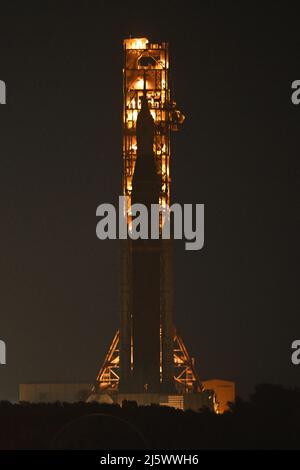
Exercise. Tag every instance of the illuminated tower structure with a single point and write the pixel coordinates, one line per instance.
(147, 356)
(146, 71)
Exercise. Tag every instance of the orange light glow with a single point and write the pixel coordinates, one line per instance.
(135, 43)
(150, 62)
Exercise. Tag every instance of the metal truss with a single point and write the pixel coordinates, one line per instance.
(108, 376)
(185, 376)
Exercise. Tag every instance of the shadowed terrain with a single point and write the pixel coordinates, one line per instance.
(269, 420)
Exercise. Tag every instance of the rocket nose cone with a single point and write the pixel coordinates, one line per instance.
(145, 130)
(145, 115)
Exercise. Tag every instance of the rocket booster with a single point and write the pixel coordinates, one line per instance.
(146, 264)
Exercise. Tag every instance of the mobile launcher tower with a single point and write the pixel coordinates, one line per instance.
(147, 361)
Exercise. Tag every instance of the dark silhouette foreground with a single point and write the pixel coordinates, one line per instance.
(269, 420)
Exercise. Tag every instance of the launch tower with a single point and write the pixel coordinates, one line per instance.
(147, 356)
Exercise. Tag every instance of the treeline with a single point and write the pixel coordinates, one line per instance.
(269, 420)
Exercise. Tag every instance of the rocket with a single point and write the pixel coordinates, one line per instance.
(145, 264)
(146, 333)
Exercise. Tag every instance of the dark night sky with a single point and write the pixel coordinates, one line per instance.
(60, 147)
